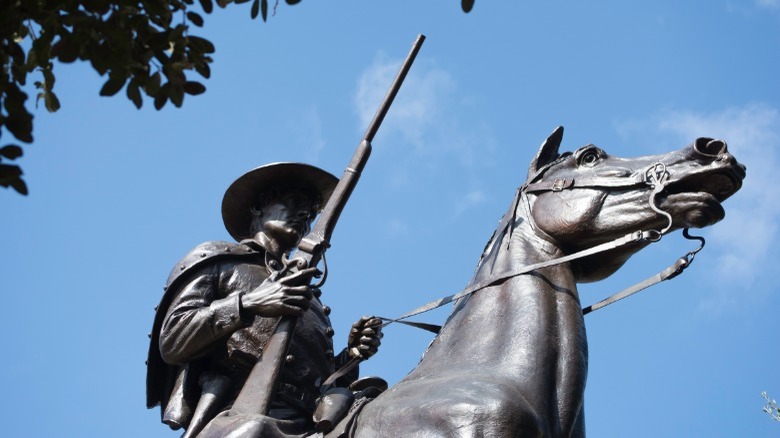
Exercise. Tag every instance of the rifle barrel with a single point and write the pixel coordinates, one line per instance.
(373, 127)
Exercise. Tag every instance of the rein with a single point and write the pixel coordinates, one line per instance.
(656, 176)
(651, 236)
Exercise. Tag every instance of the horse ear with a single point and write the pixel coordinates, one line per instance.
(548, 152)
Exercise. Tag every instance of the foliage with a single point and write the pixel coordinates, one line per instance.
(771, 407)
(143, 46)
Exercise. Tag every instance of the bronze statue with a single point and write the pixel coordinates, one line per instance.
(241, 343)
(511, 360)
(223, 300)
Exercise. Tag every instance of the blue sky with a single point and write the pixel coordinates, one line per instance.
(118, 195)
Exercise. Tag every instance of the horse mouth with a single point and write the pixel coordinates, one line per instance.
(695, 200)
(719, 184)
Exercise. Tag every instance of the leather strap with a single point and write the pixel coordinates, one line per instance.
(561, 184)
(668, 273)
(651, 236)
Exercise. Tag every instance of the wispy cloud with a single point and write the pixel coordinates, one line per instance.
(768, 4)
(427, 120)
(395, 227)
(752, 8)
(419, 106)
(469, 200)
(745, 238)
(308, 133)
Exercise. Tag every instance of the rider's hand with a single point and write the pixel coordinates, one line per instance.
(287, 296)
(365, 337)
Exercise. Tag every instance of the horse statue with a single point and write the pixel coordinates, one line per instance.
(512, 358)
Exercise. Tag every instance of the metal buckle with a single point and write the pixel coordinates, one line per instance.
(657, 176)
(560, 184)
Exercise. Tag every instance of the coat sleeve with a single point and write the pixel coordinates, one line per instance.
(197, 319)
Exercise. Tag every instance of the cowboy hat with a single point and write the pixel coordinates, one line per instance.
(245, 191)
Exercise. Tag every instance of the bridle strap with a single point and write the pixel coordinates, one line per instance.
(656, 177)
(672, 271)
(635, 237)
(650, 236)
(561, 184)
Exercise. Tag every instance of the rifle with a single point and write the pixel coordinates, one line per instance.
(255, 396)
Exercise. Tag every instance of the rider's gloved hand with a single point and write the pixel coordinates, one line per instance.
(365, 337)
(289, 295)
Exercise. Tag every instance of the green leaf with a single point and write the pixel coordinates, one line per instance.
(264, 9)
(14, 100)
(9, 172)
(52, 102)
(162, 96)
(16, 52)
(32, 60)
(255, 9)
(22, 32)
(174, 73)
(97, 6)
(11, 176)
(177, 32)
(152, 86)
(207, 6)
(113, 85)
(19, 74)
(466, 5)
(48, 77)
(66, 50)
(196, 19)
(134, 94)
(194, 88)
(204, 69)
(162, 56)
(202, 44)
(21, 129)
(11, 151)
(19, 185)
(177, 95)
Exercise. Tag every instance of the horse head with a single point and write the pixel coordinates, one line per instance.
(581, 199)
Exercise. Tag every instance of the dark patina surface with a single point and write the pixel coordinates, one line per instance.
(512, 359)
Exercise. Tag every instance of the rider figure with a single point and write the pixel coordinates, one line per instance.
(221, 305)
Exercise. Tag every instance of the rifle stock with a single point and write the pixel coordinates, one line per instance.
(256, 394)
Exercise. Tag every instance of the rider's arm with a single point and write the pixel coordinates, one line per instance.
(198, 317)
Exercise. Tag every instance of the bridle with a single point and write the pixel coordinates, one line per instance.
(655, 177)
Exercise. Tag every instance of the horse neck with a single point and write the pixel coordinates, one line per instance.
(519, 244)
(539, 300)
(526, 332)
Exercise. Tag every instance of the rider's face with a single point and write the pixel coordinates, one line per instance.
(286, 218)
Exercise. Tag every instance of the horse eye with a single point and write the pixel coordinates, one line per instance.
(589, 158)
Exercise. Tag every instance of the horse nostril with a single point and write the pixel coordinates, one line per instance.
(710, 147)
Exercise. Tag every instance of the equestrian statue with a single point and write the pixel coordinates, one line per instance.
(241, 344)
